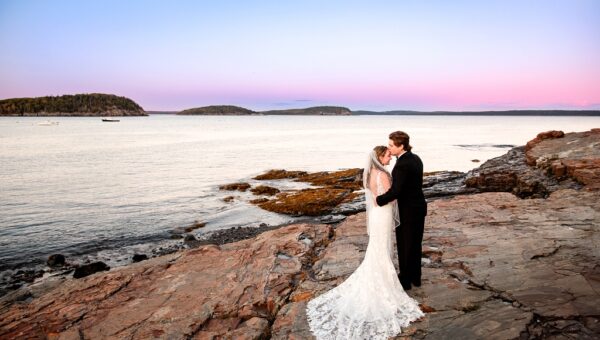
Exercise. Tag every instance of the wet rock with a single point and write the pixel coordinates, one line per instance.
(228, 199)
(279, 174)
(234, 234)
(89, 269)
(56, 260)
(445, 183)
(26, 276)
(264, 190)
(336, 191)
(194, 226)
(331, 219)
(191, 241)
(341, 193)
(189, 238)
(343, 179)
(167, 250)
(352, 204)
(177, 231)
(139, 257)
(235, 186)
(307, 202)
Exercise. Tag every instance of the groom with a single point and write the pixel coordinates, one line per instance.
(407, 183)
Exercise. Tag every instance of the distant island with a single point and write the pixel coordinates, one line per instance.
(218, 110)
(93, 104)
(232, 110)
(483, 113)
(315, 110)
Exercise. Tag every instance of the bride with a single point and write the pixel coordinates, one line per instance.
(370, 303)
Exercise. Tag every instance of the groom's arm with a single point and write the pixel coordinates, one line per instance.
(398, 179)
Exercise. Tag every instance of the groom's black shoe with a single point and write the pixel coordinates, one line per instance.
(416, 283)
(405, 285)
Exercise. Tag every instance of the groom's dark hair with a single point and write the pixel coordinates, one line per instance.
(401, 138)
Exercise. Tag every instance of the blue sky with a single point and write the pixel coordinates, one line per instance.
(419, 55)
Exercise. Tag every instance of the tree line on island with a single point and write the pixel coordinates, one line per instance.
(93, 104)
(98, 104)
(241, 111)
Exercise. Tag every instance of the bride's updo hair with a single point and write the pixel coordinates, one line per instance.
(380, 151)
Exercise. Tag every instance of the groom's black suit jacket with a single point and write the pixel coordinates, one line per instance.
(407, 185)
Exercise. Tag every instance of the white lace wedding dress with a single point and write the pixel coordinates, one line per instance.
(370, 303)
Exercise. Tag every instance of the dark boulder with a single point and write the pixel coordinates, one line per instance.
(191, 241)
(56, 260)
(235, 186)
(190, 238)
(139, 257)
(264, 190)
(445, 183)
(195, 225)
(280, 174)
(89, 269)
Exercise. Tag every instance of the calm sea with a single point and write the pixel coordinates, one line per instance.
(96, 190)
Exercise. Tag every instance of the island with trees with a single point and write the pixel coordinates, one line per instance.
(218, 110)
(93, 104)
(232, 110)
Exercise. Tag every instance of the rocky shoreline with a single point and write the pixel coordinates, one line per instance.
(510, 251)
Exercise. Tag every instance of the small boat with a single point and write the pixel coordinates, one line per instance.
(110, 120)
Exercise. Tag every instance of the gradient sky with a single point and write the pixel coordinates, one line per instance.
(379, 55)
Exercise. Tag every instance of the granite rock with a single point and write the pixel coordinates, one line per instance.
(551, 161)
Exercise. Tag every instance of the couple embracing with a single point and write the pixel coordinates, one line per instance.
(372, 303)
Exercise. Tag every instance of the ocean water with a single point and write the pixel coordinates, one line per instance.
(95, 190)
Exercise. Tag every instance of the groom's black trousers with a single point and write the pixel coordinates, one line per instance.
(409, 236)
